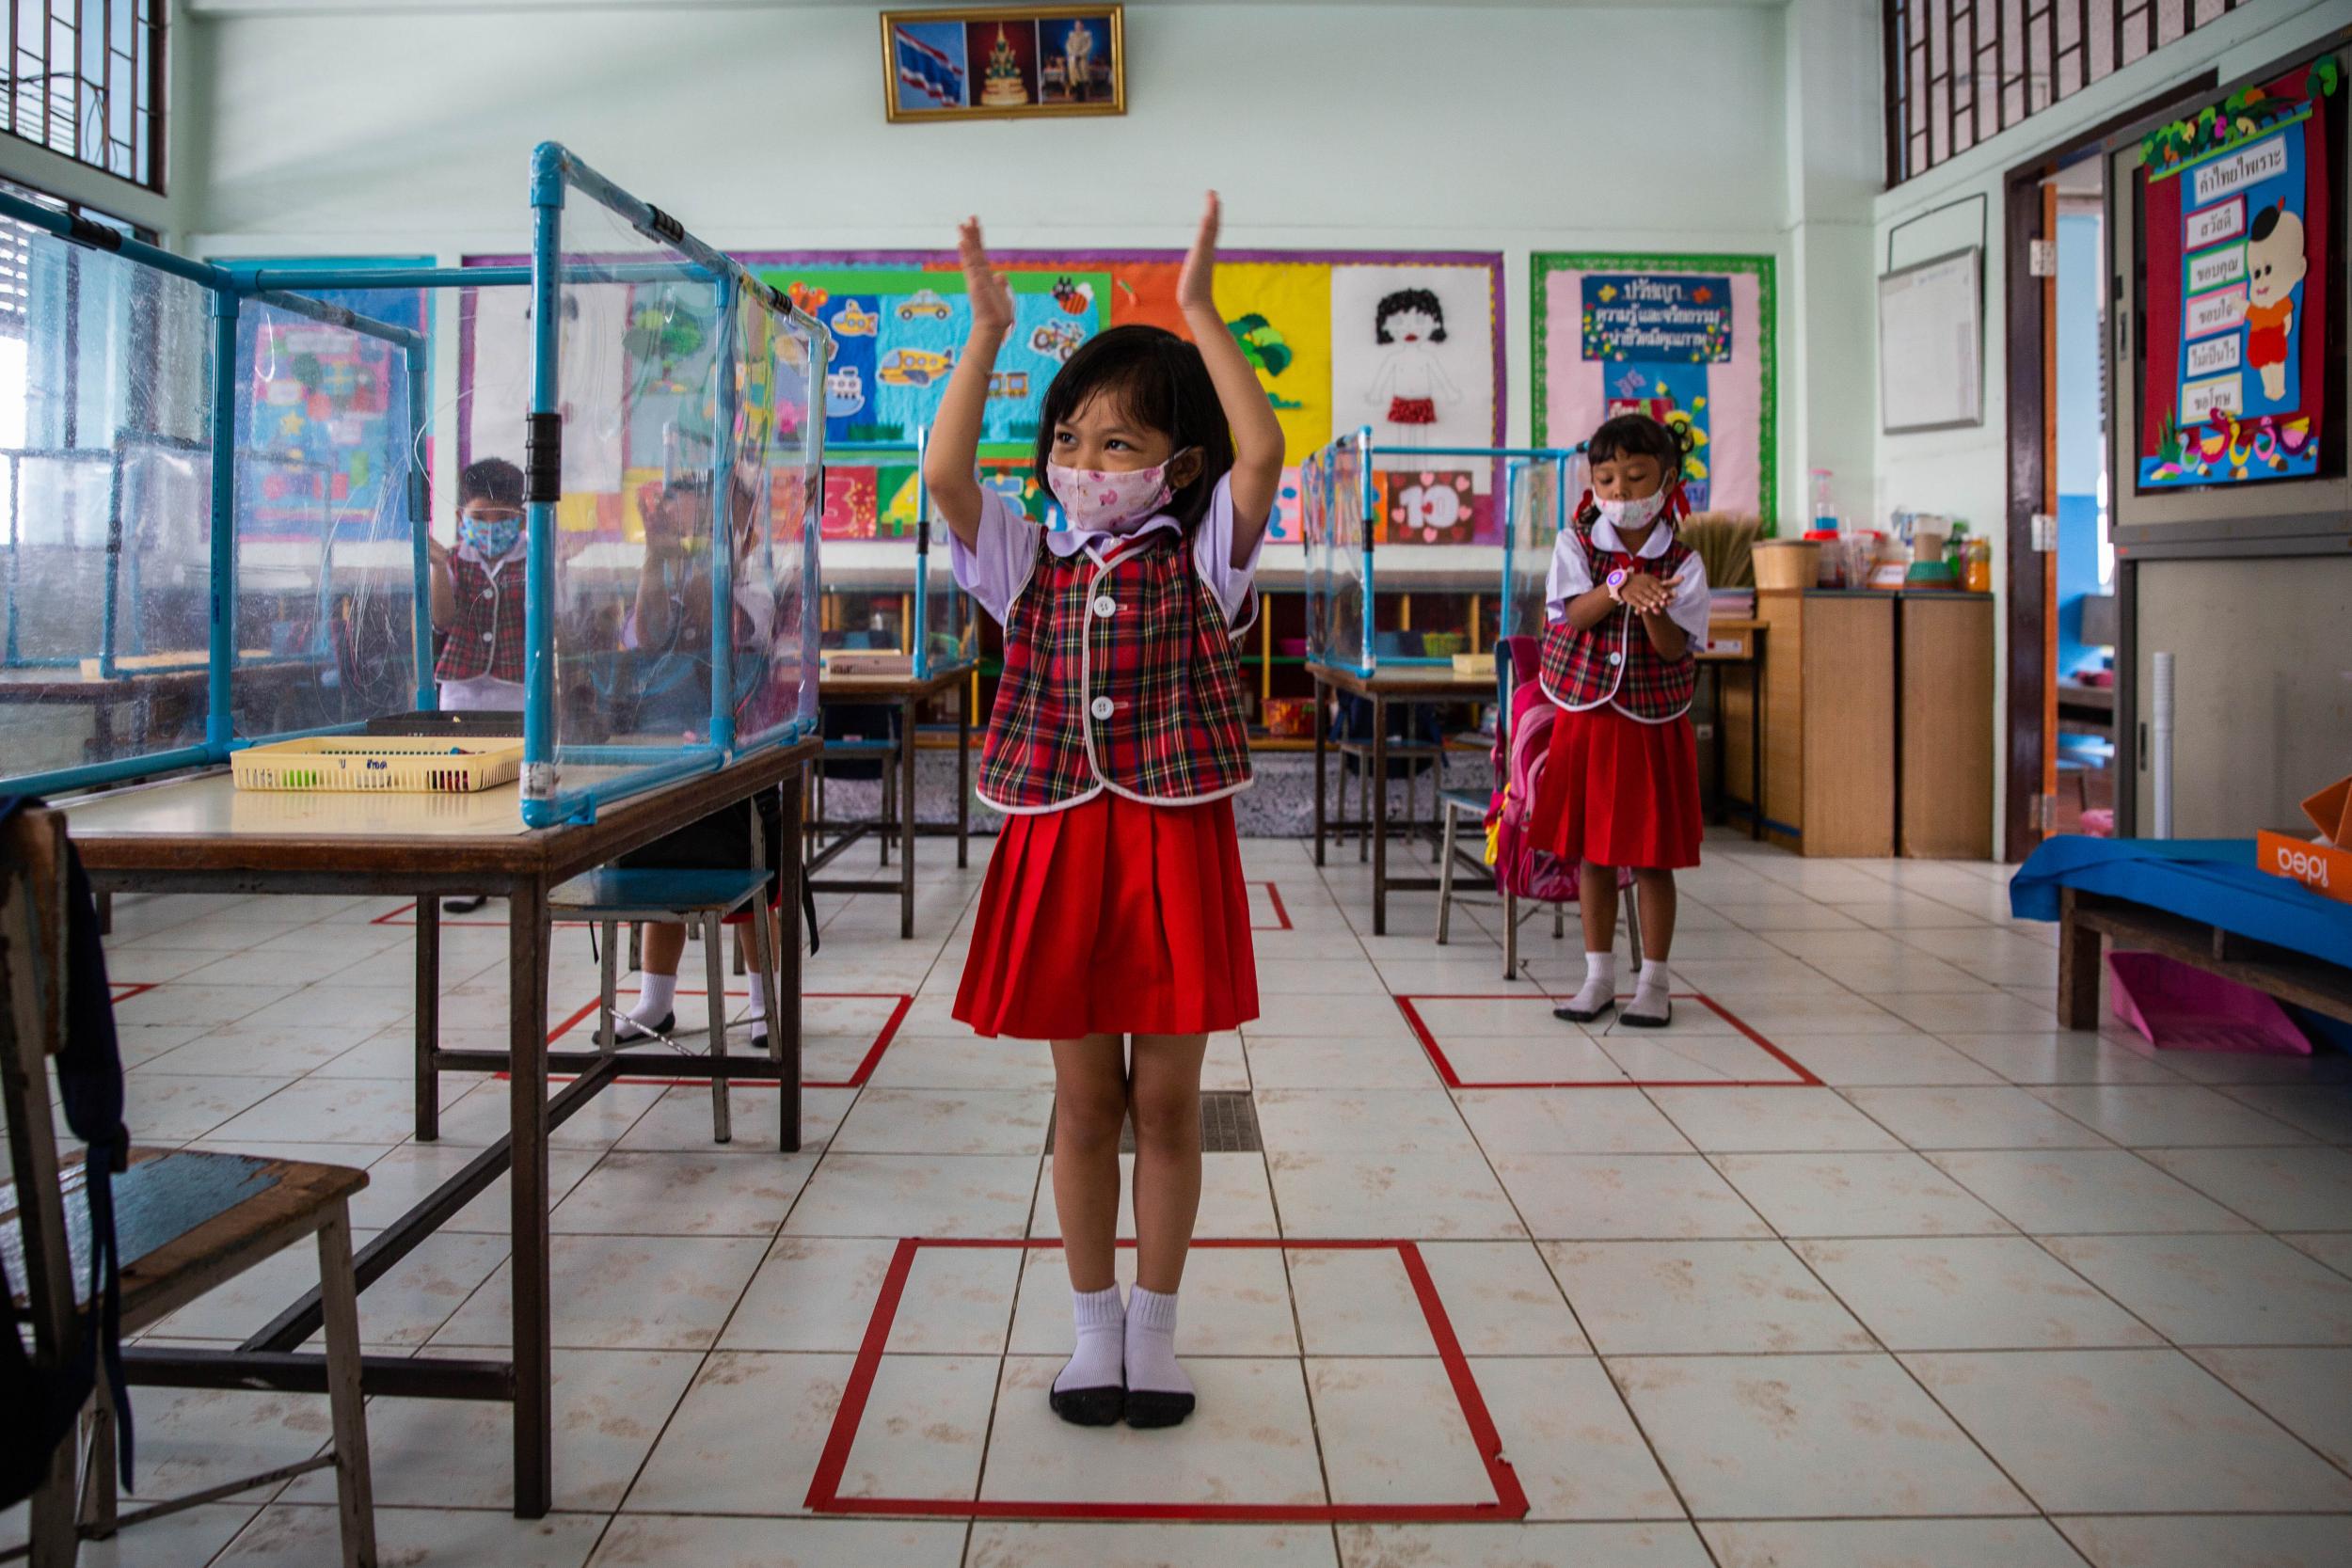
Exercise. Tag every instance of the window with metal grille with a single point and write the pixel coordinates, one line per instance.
(86, 79)
(1961, 71)
(14, 239)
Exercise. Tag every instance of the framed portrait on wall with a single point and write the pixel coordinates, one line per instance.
(1004, 64)
(1687, 340)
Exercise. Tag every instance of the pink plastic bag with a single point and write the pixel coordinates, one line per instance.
(2178, 1007)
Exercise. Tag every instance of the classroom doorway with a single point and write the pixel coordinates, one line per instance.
(2078, 759)
(2058, 757)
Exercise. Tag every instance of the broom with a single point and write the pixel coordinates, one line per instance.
(1726, 544)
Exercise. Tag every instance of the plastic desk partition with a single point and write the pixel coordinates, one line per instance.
(1353, 493)
(224, 481)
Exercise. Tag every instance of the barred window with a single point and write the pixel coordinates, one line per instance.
(86, 80)
(15, 238)
(1961, 71)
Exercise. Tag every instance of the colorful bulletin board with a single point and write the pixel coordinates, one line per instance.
(1410, 343)
(2236, 247)
(1686, 339)
(326, 405)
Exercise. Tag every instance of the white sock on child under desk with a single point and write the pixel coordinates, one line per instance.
(1102, 1340)
(657, 996)
(759, 1002)
(1152, 1344)
(1600, 983)
(1649, 992)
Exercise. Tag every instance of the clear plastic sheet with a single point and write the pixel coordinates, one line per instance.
(330, 441)
(1334, 525)
(106, 456)
(1541, 491)
(685, 540)
(872, 597)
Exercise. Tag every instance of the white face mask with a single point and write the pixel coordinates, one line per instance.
(1638, 514)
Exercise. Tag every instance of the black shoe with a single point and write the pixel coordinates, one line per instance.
(629, 1032)
(462, 905)
(1093, 1407)
(1575, 1014)
(1649, 1020)
(1157, 1407)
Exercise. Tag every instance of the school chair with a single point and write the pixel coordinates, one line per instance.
(705, 902)
(1512, 654)
(184, 1222)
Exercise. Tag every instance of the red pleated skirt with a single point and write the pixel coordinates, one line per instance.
(1113, 917)
(1618, 792)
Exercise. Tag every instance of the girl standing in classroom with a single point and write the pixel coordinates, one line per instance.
(1115, 922)
(1628, 605)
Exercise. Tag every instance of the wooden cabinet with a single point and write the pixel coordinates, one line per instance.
(1878, 723)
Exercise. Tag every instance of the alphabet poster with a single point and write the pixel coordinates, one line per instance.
(1687, 340)
(2236, 249)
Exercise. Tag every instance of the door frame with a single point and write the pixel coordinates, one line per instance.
(2028, 744)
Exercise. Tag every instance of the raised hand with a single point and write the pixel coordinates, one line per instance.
(992, 302)
(1195, 286)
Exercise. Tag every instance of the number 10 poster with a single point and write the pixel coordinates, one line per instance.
(2236, 246)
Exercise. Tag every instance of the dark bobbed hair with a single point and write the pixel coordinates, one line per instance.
(1160, 381)
(1423, 300)
(491, 479)
(1638, 436)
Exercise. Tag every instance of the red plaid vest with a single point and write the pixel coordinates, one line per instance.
(1614, 660)
(487, 638)
(1118, 678)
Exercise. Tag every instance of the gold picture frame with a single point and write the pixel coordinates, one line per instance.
(1004, 62)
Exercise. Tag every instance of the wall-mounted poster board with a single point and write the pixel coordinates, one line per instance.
(1685, 339)
(1931, 344)
(1407, 342)
(2226, 258)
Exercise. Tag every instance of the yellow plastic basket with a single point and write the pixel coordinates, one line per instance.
(423, 764)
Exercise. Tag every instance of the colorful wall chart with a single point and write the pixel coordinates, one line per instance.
(1339, 339)
(1685, 339)
(2237, 251)
(1311, 322)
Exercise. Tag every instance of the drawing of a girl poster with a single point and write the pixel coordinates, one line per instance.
(1410, 386)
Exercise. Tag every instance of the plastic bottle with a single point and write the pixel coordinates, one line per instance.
(1824, 508)
(1977, 578)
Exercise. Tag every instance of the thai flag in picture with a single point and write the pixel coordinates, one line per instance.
(928, 70)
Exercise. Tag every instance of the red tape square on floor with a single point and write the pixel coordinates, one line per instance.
(1509, 1502)
(1437, 1058)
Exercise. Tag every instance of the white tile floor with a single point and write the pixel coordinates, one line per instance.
(1928, 1282)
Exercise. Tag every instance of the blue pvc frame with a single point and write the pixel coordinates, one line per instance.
(1319, 468)
(555, 172)
(918, 632)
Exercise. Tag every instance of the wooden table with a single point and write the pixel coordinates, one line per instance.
(1413, 684)
(908, 694)
(200, 834)
(2084, 918)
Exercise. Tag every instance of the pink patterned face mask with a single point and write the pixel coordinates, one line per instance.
(1102, 500)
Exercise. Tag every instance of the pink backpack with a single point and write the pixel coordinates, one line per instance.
(1522, 748)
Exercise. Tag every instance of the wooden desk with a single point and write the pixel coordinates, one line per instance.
(1411, 685)
(201, 834)
(908, 695)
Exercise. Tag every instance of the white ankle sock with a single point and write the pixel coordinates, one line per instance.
(759, 1002)
(1102, 1330)
(1152, 1345)
(1649, 992)
(657, 997)
(1600, 982)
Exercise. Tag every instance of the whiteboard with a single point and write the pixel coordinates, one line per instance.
(1931, 344)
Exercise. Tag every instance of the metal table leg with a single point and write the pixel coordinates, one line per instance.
(1379, 787)
(527, 1122)
(428, 1027)
(1320, 742)
(906, 818)
(783, 1038)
